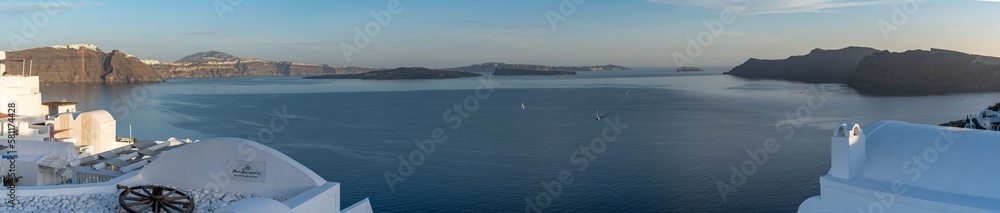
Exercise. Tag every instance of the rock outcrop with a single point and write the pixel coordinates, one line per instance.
(936, 69)
(819, 66)
(81, 63)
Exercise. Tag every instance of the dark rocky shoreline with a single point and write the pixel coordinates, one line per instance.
(870, 71)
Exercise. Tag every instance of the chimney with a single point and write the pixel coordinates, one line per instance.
(847, 151)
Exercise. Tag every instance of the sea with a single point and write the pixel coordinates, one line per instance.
(666, 141)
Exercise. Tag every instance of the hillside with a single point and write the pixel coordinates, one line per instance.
(205, 57)
(213, 64)
(937, 69)
(819, 66)
(82, 63)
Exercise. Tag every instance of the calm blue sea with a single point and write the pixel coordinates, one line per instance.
(685, 131)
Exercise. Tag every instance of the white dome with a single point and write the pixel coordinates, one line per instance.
(915, 168)
(942, 159)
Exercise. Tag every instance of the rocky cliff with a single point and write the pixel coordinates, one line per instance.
(491, 66)
(943, 70)
(213, 64)
(82, 63)
(819, 66)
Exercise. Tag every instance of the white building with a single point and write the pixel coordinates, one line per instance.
(987, 119)
(21, 94)
(54, 143)
(53, 108)
(214, 164)
(93, 132)
(222, 166)
(22, 89)
(41, 163)
(41, 144)
(892, 166)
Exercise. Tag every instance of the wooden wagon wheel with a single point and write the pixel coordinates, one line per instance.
(157, 199)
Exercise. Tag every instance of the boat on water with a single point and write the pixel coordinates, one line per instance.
(689, 69)
(72, 161)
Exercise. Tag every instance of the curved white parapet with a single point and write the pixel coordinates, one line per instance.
(231, 165)
(910, 168)
(208, 166)
(812, 205)
(364, 206)
(256, 205)
(325, 198)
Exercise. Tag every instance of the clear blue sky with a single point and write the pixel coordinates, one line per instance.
(457, 33)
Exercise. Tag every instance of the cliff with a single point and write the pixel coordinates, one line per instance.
(491, 66)
(82, 63)
(213, 64)
(939, 70)
(819, 66)
(401, 73)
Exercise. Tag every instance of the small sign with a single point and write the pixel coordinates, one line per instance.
(250, 171)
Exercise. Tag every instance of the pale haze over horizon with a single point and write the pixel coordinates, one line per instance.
(635, 33)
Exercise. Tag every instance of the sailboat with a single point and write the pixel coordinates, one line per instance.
(627, 92)
(522, 105)
(598, 115)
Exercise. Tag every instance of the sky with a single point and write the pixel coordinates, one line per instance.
(440, 34)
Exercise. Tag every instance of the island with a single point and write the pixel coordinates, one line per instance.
(880, 72)
(689, 69)
(504, 71)
(934, 71)
(491, 66)
(215, 64)
(819, 66)
(401, 73)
